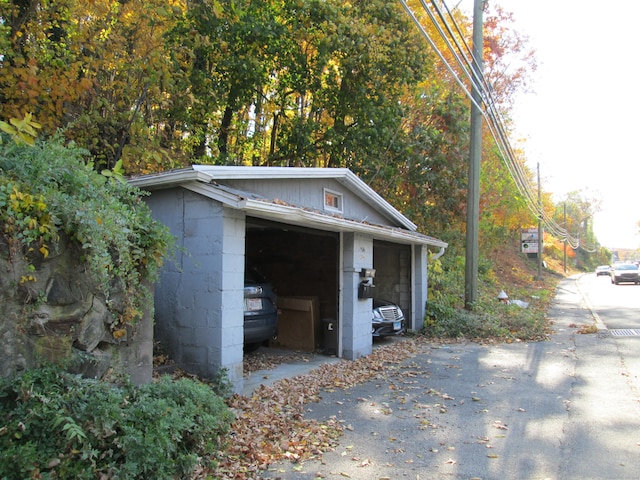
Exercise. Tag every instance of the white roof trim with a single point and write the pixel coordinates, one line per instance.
(342, 175)
(201, 178)
(210, 191)
(309, 218)
(313, 219)
(169, 179)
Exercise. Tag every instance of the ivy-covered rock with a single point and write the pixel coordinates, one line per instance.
(78, 254)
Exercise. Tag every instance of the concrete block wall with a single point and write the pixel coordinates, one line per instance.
(355, 318)
(420, 284)
(197, 315)
(199, 298)
(404, 285)
(167, 207)
(228, 352)
(394, 267)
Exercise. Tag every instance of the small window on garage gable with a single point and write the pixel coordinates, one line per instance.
(332, 201)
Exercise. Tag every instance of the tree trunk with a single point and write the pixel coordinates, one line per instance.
(223, 138)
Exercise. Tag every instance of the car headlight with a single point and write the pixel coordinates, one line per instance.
(377, 315)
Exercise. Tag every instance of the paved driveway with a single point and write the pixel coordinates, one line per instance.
(566, 408)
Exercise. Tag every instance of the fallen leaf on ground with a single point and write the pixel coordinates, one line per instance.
(270, 424)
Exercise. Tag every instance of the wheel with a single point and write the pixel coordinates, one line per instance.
(252, 347)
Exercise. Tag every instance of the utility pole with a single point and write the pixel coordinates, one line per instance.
(566, 234)
(475, 155)
(540, 233)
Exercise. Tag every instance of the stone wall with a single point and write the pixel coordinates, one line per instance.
(55, 314)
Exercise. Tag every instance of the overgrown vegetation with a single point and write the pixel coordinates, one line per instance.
(144, 87)
(499, 322)
(490, 319)
(49, 190)
(58, 425)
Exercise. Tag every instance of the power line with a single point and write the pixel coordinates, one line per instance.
(453, 38)
(499, 134)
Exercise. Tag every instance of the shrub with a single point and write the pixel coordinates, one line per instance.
(58, 425)
(48, 190)
(446, 317)
(449, 322)
(487, 320)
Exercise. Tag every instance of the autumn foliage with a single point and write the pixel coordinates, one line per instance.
(150, 85)
(162, 84)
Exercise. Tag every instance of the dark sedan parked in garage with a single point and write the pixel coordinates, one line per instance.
(260, 310)
(388, 319)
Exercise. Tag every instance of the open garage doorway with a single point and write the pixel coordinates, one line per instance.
(302, 266)
(392, 263)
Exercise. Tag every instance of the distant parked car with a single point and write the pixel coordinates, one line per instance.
(388, 319)
(625, 273)
(603, 270)
(260, 310)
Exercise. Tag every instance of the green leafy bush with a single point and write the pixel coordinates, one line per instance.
(498, 321)
(58, 425)
(446, 275)
(449, 322)
(48, 190)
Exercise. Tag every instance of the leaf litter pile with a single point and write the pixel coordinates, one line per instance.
(261, 360)
(270, 425)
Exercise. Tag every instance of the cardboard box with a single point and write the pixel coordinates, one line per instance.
(299, 324)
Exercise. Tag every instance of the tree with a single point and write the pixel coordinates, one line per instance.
(97, 69)
(41, 72)
(155, 84)
(576, 213)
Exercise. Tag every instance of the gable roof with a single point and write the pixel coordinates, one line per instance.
(203, 179)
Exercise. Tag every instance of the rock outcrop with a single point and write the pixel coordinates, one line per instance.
(55, 313)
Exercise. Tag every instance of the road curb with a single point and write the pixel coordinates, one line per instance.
(602, 328)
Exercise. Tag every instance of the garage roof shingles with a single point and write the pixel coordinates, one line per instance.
(206, 179)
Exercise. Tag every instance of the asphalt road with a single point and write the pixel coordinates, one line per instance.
(566, 408)
(616, 305)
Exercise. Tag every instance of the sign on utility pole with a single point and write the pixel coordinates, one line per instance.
(529, 240)
(475, 154)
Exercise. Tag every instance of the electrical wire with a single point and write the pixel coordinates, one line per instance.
(498, 132)
(450, 33)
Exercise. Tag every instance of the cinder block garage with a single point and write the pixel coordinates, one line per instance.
(317, 234)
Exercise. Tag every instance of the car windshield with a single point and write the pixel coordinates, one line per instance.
(252, 275)
(626, 267)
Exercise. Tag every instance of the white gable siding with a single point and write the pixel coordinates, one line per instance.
(309, 193)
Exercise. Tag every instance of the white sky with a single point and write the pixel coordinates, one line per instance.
(582, 123)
